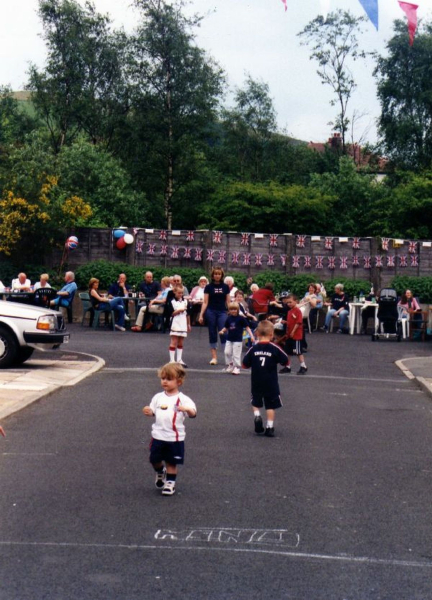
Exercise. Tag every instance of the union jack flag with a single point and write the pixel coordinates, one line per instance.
(217, 237)
(246, 258)
(328, 243)
(245, 239)
(163, 234)
(258, 260)
(235, 258)
(210, 255)
(190, 236)
(385, 243)
(295, 261)
(135, 230)
(414, 260)
(283, 259)
(164, 250)
(222, 256)
(151, 249)
(367, 261)
(379, 261)
(356, 262)
(175, 252)
(344, 262)
(331, 262)
(391, 260)
(319, 262)
(139, 246)
(273, 239)
(307, 261)
(187, 253)
(270, 260)
(403, 260)
(198, 254)
(301, 239)
(356, 243)
(412, 247)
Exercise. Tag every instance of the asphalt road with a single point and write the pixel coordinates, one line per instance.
(336, 506)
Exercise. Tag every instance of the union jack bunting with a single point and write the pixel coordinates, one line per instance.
(307, 261)
(175, 252)
(319, 262)
(367, 261)
(355, 261)
(356, 243)
(403, 260)
(139, 246)
(331, 262)
(190, 236)
(235, 258)
(151, 249)
(163, 234)
(246, 258)
(198, 254)
(296, 261)
(343, 262)
(379, 260)
(301, 239)
(414, 260)
(412, 247)
(258, 260)
(164, 250)
(385, 243)
(222, 256)
(270, 260)
(283, 259)
(187, 253)
(135, 230)
(245, 239)
(273, 239)
(328, 243)
(217, 237)
(391, 260)
(210, 255)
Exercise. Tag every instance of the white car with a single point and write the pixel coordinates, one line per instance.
(24, 327)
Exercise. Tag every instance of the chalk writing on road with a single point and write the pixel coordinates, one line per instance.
(219, 535)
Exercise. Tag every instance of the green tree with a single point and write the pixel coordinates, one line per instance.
(404, 77)
(334, 44)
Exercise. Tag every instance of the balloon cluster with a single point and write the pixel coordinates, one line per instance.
(123, 239)
(71, 243)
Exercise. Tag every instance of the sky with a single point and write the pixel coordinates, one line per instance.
(255, 37)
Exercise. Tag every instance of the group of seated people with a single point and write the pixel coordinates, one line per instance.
(63, 297)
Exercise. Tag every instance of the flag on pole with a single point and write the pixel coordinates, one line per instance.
(371, 8)
(411, 12)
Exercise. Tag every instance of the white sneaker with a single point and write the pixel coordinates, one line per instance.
(236, 371)
(127, 318)
(119, 328)
(160, 479)
(228, 369)
(168, 488)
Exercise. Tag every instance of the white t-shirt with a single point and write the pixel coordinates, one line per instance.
(16, 285)
(169, 424)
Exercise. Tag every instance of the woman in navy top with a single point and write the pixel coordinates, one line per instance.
(214, 307)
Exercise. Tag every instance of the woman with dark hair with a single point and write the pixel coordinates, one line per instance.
(214, 307)
(104, 303)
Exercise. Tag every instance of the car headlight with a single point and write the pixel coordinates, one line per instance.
(46, 322)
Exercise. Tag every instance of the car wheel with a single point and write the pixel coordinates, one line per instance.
(23, 355)
(8, 348)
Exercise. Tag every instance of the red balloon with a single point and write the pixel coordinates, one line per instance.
(120, 243)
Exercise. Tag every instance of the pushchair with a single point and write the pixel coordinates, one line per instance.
(388, 324)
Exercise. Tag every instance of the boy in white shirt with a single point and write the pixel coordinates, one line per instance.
(170, 408)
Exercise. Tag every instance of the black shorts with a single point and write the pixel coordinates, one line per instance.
(270, 402)
(293, 347)
(169, 452)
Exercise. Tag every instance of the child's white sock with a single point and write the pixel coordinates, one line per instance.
(172, 354)
(270, 423)
(179, 354)
(303, 364)
(257, 413)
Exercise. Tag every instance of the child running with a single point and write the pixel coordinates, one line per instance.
(170, 408)
(294, 332)
(234, 326)
(264, 358)
(180, 325)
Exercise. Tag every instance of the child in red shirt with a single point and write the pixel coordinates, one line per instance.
(294, 332)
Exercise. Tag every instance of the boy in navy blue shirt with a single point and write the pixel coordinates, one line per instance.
(263, 359)
(234, 326)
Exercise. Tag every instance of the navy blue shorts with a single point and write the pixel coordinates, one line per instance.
(168, 452)
(270, 402)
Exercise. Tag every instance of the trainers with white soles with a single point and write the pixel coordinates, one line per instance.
(160, 479)
(168, 488)
(236, 371)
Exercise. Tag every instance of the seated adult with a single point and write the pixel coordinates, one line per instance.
(149, 288)
(230, 283)
(197, 298)
(306, 304)
(313, 315)
(66, 295)
(120, 289)
(410, 307)
(155, 306)
(21, 283)
(339, 307)
(261, 300)
(105, 303)
(42, 283)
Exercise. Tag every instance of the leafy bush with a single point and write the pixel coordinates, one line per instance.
(421, 287)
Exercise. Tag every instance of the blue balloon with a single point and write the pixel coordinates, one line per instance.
(119, 233)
